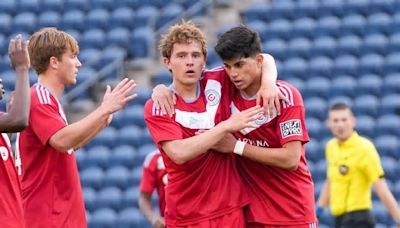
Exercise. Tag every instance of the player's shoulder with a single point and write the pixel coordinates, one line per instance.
(290, 92)
(40, 95)
(150, 157)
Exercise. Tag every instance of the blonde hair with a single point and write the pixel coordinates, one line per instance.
(184, 32)
(48, 42)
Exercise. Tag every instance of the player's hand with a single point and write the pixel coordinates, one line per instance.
(164, 100)
(114, 100)
(269, 96)
(243, 119)
(18, 53)
(158, 222)
(226, 144)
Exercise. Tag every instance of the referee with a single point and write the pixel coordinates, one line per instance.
(353, 166)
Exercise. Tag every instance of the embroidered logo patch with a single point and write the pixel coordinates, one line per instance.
(212, 97)
(291, 127)
(262, 120)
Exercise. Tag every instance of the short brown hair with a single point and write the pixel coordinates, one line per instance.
(184, 32)
(48, 42)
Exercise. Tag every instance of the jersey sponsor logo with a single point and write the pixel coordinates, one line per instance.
(261, 143)
(290, 128)
(4, 153)
(212, 97)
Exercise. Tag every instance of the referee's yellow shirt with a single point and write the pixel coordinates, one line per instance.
(353, 166)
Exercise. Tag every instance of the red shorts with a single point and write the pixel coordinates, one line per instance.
(260, 225)
(234, 219)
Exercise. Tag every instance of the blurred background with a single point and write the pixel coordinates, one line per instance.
(331, 50)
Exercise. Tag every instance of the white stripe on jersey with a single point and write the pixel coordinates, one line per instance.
(148, 158)
(215, 69)
(43, 95)
(288, 94)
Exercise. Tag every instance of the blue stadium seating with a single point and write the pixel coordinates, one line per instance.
(343, 86)
(320, 66)
(118, 36)
(106, 137)
(327, 26)
(366, 105)
(103, 218)
(316, 107)
(92, 177)
(375, 43)
(369, 84)
(391, 84)
(379, 23)
(299, 47)
(73, 20)
(97, 19)
(168, 13)
(280, 29)
(28, 6)
(93, 38)
(366, 126)
(90, 196)
(131, 196)
(346, 64)
(122, 17)
(98, 156)
(141, 41)
(371, 63)
(110, 197)
(314, 152)
(76, 5)
(24, 22)
(117, 176)
(349, 45)
(390, 104)
(129, 135)
(387, 145)
(131, 217)
(353, 24)
(303, 27)
(324, 46)
(392, 63)
(124, 155)
(317, 86)
(49, 19)
(52, 5)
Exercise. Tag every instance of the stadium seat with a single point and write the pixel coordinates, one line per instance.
(89, 56)
(389, 165)
(52, 5)
(343, 86)
(321, 66)
(316, 107)
(392, 63)
(122, 17)
(131, 217)
(380, 213)
(143, 94)
(317, 86)
(296, 66)
(369, 84)
(332, 8)
(299, 47)
(319, 171)
(391, 84)
(106, 137)
(118, 36)
(388, 124)
(342, 99)
(357, 7)
(141, 42)
(371, 63)
(346, 64)
(144, 16)
(388, 145)
(5, 24)
(111, 54)
(110, 197)
(258, 11)
(298, 83)
(324, 46)
(162, 77)
(303, 27)
(397, 189)
(349, 45)
(73, 20)
(103, 4)
(49, 19)
(378, 23)
(24, 22)
(307, 9)
(98, 156)
(28, 6)
(90, 197)
(282, 10)
(124, 155)
(365, 125)
(8, 78)
(76, 5)
(276, 47)
(103, 218)
(375, 43)
(260, 27)
(353, 25)
(9, 6)
(92, 177)
(168, 13)
(131, 196)
(97, 19)
(134, 115)
(390, 104)
(93, 38)
(313, 152)
(80, 156)
(117, 176)
(280, 29)
(387, 6)
(366, 105)
(327, 26)
(129, 135)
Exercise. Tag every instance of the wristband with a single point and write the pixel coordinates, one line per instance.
(239, 147)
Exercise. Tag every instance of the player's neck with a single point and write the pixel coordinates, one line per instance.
(186, 91)
(251, 90)
(52, 83)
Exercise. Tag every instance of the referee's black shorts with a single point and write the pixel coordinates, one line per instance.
(355, 219)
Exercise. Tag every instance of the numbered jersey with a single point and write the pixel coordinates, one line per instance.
(155, 178)
(207, 186)
(51, 191)
(11, 212)
(277, 196)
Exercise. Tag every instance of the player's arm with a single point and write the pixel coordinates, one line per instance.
(146, 207)
(181, 151)
(80, 132)
(386, 197)
(17, 116)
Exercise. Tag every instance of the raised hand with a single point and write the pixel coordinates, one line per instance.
(116, 99)
(164, 100)
(18, 53)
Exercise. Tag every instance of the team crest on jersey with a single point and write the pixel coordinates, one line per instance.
(4, 153)
(262, 120)
(290, 128)
(212, 97)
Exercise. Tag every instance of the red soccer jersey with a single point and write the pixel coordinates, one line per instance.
(11, 212)
(209, 185)
(51, 190)
(154, 177)
(277, 196)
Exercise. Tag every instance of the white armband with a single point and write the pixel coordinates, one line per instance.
(239, 147)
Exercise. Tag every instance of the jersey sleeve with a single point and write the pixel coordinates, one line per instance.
(45, 121)
(149, 176)
(372, 163)
(161, 128)
(291, 123)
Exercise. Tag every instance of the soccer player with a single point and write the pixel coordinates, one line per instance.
(272, 160)
(353, 167)
(154, 177)
(16, 119)
(204, 188)
(51, 191)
